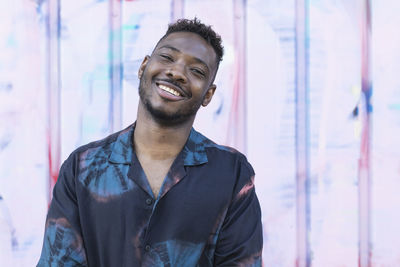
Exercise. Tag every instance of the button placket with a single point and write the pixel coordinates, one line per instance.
(150, 202)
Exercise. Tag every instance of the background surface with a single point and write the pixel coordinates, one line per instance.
(294, 93)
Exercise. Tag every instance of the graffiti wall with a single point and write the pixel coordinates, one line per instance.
(308, 90)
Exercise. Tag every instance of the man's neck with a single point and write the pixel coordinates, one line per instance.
(158, 142)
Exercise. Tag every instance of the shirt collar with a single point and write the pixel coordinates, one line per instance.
(122, 148)
(193, 152)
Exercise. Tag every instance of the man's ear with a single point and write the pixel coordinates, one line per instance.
(209, 94)
(143, 66)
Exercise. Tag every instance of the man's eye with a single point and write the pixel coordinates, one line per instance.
(167, 57)
(198, 72)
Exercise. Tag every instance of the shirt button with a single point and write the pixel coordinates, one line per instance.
(147, 248)
(149, 201)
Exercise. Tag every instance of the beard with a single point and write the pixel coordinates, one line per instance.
(161, 116)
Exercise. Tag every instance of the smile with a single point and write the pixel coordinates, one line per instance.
(169, 90)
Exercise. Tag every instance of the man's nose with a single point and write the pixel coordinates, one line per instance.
(177, 72)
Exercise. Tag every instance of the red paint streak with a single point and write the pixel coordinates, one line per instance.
(365, 147)
(237, 117)
(53, 170)
(364, 184)
(235, 97)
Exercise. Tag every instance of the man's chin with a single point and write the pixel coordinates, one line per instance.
(167, 118)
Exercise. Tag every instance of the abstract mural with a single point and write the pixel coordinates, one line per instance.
(308, 90)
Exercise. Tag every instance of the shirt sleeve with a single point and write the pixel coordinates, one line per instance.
(63, 244)
(240, 239)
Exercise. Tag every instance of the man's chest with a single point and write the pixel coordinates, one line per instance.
(191, 211)
(155, 172)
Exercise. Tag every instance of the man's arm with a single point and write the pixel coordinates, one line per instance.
(240, 239)
(63, 244)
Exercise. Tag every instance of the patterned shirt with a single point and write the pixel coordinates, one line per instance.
(104, 214)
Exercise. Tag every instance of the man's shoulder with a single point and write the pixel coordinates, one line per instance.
(220, 152)
(206, 142)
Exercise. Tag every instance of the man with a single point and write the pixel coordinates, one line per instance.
(159, 193)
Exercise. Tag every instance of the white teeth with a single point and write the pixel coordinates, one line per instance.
(169, 90)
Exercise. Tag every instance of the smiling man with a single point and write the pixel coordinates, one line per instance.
(159, 193)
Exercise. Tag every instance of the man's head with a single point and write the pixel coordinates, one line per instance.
(178, 76)
(205, 31)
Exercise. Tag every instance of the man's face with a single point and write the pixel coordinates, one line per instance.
(177, 78)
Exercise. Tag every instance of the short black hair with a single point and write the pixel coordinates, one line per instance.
(205, 31)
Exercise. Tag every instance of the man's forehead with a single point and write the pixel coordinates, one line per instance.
(189, 43)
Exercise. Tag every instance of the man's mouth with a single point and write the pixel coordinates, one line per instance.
(169, 90)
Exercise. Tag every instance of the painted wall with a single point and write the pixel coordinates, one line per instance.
(294, 93)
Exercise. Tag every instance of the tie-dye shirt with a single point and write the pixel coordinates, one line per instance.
(104, 214)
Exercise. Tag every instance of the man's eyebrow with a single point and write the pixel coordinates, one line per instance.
(198, 60)
(170, 47)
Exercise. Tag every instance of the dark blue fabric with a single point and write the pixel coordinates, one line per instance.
(103, 212)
